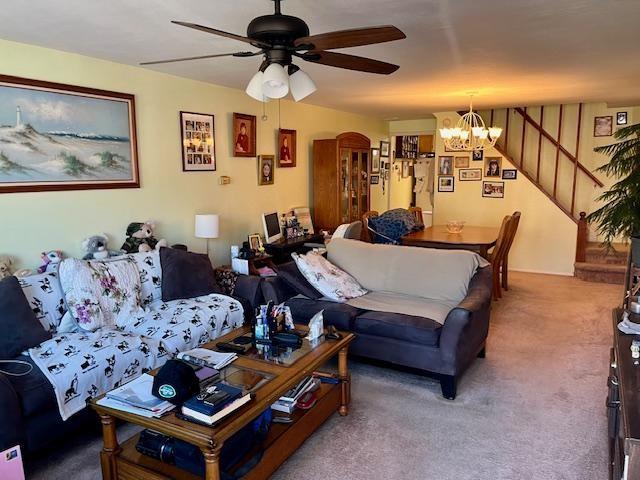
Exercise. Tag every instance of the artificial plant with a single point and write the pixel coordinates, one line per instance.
(620, 214)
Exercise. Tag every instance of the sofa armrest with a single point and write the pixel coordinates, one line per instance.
(466, 327)
(12, 431)
(248, 286)
(276, 290)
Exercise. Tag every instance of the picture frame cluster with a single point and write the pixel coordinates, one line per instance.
(491, 168)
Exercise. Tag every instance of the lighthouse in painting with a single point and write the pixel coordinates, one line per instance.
(18, 117)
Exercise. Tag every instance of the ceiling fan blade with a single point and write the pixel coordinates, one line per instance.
(351, 38)
(350, 62)
(200, 57)
(214, 31)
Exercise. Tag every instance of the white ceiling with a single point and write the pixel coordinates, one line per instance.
(512, 52)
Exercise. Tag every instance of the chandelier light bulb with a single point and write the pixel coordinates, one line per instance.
(301, 85)
(275, 81)
(254, 88)
(495, 132)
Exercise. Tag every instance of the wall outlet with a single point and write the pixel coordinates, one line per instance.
(224, 180)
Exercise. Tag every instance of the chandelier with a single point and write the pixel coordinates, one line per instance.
(470, 133)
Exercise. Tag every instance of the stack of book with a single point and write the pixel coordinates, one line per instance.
(136, 397)
(207, 358)
(215, 403)
(287, 403)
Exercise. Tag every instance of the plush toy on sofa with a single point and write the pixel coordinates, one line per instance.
(140, 238)
(50, 261)
(95, 247)
(6, 262)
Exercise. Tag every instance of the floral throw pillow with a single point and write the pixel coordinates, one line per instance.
(328, 279)
(99, 293)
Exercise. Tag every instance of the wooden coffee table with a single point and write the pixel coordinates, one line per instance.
(122, 461)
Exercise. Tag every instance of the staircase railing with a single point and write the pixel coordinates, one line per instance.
(582, 238)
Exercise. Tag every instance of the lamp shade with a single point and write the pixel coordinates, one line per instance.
(207, 226)
(275, 81)
(254, 88)
(301, 85)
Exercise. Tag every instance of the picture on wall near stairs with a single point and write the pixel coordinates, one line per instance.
(63, 137)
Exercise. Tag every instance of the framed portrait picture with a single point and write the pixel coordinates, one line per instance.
(286, 148)
(374, 179)
(385, 148)
(266, 169)
(198, 142)
(493, 189)
(461, 162)
(445, 183)
(603, 126)
(477, 155)
(244, 135)
(63, 137)
(492, 166)
(255, 242)
(509, 174)
(621, 118)
(375, 160)
(445, 165)
(405, 169)
(470, 174)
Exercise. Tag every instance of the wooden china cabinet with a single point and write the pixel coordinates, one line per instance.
(340, 180)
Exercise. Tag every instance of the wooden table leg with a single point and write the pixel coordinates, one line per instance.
(110, 448)
(343, 373)
(212, 463)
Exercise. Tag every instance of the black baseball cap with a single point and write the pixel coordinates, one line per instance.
(176, 382)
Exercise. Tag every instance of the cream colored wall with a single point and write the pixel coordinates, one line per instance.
(33, 222)
(546, 237)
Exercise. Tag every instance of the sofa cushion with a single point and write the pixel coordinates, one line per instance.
(339, 315)
(44, 293)
(396, 303)
(19, 326)
(34, 390)
(186, 275)
(290, 273)
(148, 264)
(399, 326)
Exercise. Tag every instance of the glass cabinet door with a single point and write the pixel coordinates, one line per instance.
(345, 190)
(355, 181)
(364, 182)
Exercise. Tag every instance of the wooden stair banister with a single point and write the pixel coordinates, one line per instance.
(582, 238)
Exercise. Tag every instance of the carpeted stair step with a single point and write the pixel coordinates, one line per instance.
(600, 272)
(596, 253)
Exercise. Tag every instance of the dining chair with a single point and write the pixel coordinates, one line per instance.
(366, 231)
(504, 270)
(497, 255)
(417, 215)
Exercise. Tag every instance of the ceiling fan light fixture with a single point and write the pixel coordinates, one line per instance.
(275, 81)
(254, 88)
(301, 84)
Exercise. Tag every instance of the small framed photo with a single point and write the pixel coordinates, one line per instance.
(621, 118)
(265, 169)
(244, 135)
(445, 183)
(197, 136)
(445, 165)
(603, 126)
(255, 242)
(493, 189)
(461, 162)
(385, 148)
(374, 179)
(477, 155)
(375, 160)
(492, 166)
(287, 148)
(509, 174)
(405, 169)
(470, 174)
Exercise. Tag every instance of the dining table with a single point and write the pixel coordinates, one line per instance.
(477, 239)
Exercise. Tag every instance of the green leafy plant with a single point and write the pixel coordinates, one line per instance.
(620, 215)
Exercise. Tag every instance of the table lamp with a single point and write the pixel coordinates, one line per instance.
(207, 227)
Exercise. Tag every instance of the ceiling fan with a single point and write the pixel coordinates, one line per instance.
(280, 38)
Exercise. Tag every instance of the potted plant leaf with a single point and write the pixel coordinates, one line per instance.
(620, 214)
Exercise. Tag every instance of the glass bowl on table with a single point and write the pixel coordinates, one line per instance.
(455, 226)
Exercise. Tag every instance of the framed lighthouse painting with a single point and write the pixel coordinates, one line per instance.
(62, 137)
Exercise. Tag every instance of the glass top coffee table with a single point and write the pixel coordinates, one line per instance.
(123, 461)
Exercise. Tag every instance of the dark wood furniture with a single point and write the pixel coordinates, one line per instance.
(497, 255)
(478, 239)
(366, 233)
(504, 267)
(124, 462)
(623, 407)
(282, 249)
(340, 180)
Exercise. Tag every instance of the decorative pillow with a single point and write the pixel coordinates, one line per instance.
(99, 292)
(290, 273)
(150, 276)
(19, 326)
(328, 279)
(186, 275)
(45, 296)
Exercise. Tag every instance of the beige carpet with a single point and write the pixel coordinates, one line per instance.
(533, 409)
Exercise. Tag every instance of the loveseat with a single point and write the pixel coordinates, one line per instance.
(32, 409)
(426, 309)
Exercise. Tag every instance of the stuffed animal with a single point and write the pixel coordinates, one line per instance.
(6, 262)
(140, 238)
(50, 261)
(95, 247)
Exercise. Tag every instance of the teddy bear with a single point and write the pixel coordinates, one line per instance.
(95, 247)
(140, 238)
(6, 262)
(50, 261)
